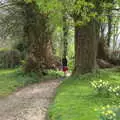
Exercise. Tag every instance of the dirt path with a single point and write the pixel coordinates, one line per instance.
(30, 103)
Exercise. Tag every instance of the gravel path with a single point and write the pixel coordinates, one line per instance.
(30, 103)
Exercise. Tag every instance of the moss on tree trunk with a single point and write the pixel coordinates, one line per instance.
(38, 36)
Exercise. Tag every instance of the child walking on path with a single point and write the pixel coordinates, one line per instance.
(64, 65)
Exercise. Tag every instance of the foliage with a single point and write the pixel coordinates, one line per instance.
(55, 9)
(71, 63)
(11, 20)
(26, 79)
(110, 112)
(55, 73)
(58, 45)
(13, 79)
(87, 10)
(9, 58)
(51, 8)
(22, 46)
(8, 81)
(75, 98)
(105, 88)
(115, 90)
(71, 49)
(101, 86)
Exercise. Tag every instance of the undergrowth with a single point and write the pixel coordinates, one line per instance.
(13, 79)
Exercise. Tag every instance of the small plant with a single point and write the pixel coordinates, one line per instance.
(101, 86)
(105, 88)
(110, 113)
(115, 90)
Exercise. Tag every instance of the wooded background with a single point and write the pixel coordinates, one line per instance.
(39, 33)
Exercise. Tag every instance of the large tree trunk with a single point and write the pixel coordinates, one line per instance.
(85, 48)
(38, 36)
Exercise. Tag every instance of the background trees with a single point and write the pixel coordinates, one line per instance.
(43, 29)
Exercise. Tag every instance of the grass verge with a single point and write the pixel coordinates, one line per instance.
(77, 100)
(12, 79)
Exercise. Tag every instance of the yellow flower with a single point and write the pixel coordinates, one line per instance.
(114, 114)
(103, 112)
(108, 106)
(109, 111)
(95, 109)
(103, 108)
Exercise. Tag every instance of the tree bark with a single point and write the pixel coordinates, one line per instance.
(85, 48)
(38, 35)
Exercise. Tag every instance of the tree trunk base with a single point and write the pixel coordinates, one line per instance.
(34, 65)
(104, 64)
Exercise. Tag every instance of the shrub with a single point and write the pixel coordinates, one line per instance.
(22, 46)
(110, 113)
(101, 87)
(115, 90)
(105, 88)
(71, 62)
(9, 58)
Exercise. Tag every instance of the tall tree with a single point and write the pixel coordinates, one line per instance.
(85, 48)
(85, 40)
(36, 29)
(38, 34)
(86, 13)
(109, 28)
(11, 19)
(65, 35)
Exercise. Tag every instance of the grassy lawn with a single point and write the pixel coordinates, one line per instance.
(9, 81)
(12, 79)
(77, 100)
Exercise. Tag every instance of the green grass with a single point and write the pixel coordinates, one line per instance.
(8, 82)
(76, 99)
(12, 79)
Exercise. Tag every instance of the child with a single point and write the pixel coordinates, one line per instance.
(64, 64)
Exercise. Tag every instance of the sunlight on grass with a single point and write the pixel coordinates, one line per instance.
(12, 79)
(8, 82)
(77, 100)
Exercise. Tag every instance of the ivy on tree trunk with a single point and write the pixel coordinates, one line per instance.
(38, 35)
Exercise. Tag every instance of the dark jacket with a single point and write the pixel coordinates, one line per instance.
(64, 62)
